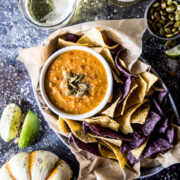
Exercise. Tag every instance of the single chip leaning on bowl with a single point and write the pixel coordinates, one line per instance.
(76, 129)
(109, 110)
(63, 127)
(107, 55)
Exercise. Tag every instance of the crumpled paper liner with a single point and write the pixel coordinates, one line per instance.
(128, 33)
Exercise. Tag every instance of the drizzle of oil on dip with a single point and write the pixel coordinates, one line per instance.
(49, 12)
(78, 62)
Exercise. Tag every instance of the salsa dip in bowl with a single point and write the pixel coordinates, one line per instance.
(76, 82)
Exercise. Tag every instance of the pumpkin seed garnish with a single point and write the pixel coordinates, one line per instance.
(82, 86)
(68, 86)
(80, 94)
(74, 84)
(72, 79)
(70, 92)
(80, 77)
(69, 75)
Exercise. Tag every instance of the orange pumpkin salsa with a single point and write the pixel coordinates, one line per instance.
(76, 82)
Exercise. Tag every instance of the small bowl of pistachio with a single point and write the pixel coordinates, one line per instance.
(163, 19)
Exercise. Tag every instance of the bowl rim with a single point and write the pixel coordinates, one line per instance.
(97, 108)
(149, 28)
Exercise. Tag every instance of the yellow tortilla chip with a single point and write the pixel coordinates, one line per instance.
(105, 152)
(94, 38)
(140, 115)
(76, 129)
(116, 142)
(110, 110)
(120, 157)
(116, 77)
(149, 78)
(125, 120)
(105, 36)
(138, 151)
(97, 49)
(63, 127)
(100, 29)
(104, 121)
(63, 43)
(121, 109)
(141, 90)
(138, 95)
(107, 55)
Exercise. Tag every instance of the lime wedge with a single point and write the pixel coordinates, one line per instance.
(174, 52)
(30, 130)
(10, 122)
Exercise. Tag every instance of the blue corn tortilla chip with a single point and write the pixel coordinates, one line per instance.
(123, 72)
(163, 125)
(71, 37)
(89, 147)
(126, 89)
(103, 132)
(144, 130)
(151, 121)
(133, 144)
(154, 146)
(126, 76)
(170, 134)
(156, 107)
(160, 96)
(161, 139)
(141, 132)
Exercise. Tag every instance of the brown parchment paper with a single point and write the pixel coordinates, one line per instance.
(128, 33)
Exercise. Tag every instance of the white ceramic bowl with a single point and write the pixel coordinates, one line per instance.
(96, 109)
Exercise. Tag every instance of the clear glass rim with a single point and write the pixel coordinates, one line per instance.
(61, 23)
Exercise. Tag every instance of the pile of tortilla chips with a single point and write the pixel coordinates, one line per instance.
(134, 124)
